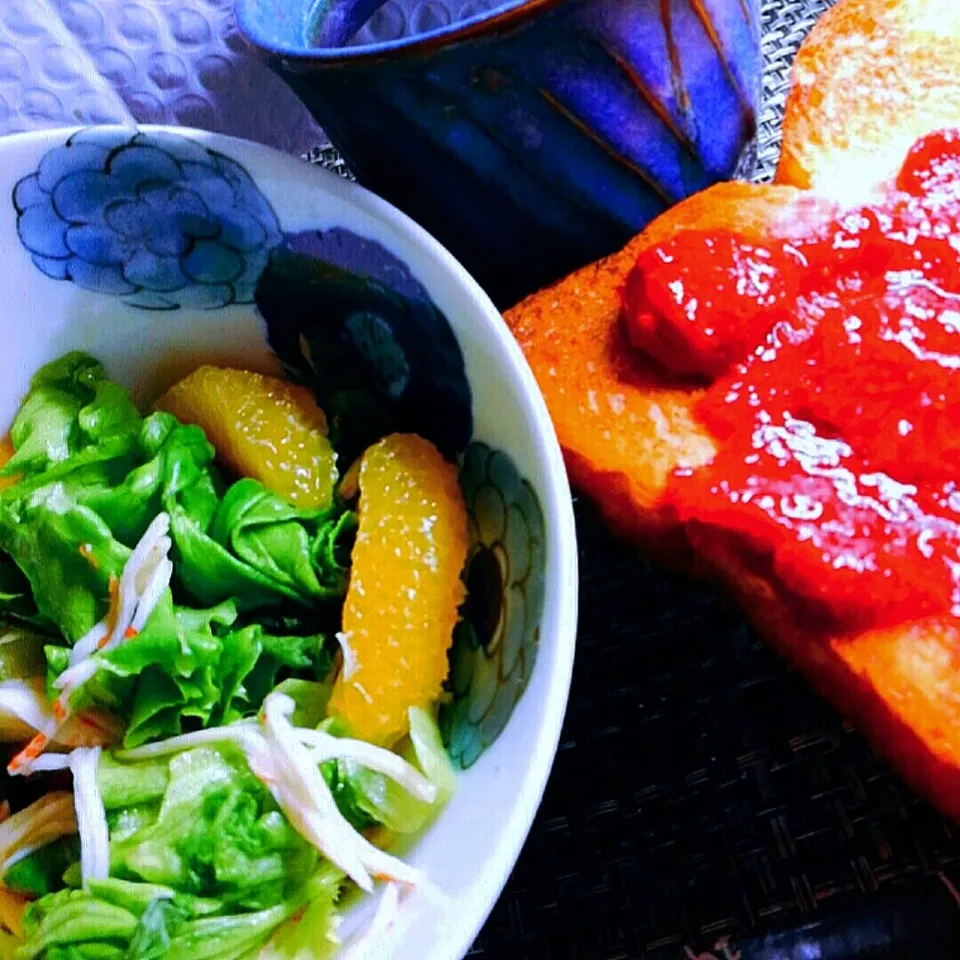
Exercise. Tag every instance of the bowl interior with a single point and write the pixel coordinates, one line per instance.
(148, 331)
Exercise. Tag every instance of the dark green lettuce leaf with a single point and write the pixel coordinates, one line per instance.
(48, 533)
(41, 872)
(190, 669)
(187, 669)
(260, 550)
(16, 599)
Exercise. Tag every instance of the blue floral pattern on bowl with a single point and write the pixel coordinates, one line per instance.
(154, 218)
(495, 645)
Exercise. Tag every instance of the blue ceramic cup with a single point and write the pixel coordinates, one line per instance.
(532, 136)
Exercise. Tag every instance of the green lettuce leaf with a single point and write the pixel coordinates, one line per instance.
(189, 669)
(135, 897)
(135, 921)
(131, 784)
(429, 754)
(310, 934)
(173, 462)
(367, 798)
(76, 919)
(155, 930)
(218, 833)
(45, 532)
(72, 417)
(310, 700)
(260, 550)
(173, 665)
(203, 865)
(281, 659)
(16, 599)
(94, 474)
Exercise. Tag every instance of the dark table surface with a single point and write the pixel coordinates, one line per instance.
(701, 790)
(705, 804)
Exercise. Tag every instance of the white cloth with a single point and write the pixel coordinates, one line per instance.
(65, 62)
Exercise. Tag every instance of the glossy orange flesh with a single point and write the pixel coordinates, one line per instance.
(262, 427)
(405, 587)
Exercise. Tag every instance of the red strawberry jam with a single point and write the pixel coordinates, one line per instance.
(834, 397)
(700, 301)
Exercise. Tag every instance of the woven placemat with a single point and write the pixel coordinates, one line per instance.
(704, 804)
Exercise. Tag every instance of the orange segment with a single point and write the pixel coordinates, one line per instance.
(262, 427)
(405, 587)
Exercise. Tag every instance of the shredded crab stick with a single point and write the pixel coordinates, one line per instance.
(59, 814)
(21, 700)
(146, 575)
(46, 820)
(297, 785)
(286, 758)
(91, 815)
(25, 709)
(371, 942)
(322, 747)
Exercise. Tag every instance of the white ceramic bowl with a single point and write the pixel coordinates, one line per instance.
(105, 247)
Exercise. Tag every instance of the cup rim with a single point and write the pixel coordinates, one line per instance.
(510, 16)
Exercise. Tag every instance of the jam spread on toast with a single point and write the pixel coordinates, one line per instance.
(833, 365)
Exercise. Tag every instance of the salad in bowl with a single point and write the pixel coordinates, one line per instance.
(287, 573)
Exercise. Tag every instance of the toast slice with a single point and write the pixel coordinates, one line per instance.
(624, 427)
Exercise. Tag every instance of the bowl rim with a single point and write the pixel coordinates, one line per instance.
(511, 15)
(560, 619)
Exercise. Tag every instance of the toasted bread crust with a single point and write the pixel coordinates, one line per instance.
(623, 429)
(901, 686)
(858, 106)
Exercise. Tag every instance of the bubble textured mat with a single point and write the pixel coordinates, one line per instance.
(64, 62)
(705, 804)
